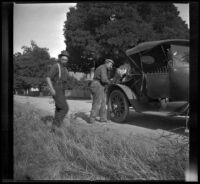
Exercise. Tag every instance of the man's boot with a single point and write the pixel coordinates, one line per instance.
(92, 121)
(105, 121)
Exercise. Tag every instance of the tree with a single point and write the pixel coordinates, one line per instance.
(164, 19)
(31, 66)
(94, 31)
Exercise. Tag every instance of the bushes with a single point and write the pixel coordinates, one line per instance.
(70, 83)
(46, 93)
(73, 83)
(33, 93)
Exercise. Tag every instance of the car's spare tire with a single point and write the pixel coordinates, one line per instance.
(118, 106)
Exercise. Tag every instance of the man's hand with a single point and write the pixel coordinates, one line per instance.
(53, 92)
(112, 81)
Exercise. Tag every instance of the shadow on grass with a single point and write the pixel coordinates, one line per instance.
(171, 124)
(83, 116)
(46, 119)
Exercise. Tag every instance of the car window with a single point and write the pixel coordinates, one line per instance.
(153, 60)
(147, 59)
(180, 54)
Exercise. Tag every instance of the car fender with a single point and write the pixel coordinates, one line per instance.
(128, 92)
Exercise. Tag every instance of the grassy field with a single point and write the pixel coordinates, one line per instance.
(80, 151)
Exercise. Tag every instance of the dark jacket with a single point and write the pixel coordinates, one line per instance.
(101, 74)
(53, 74)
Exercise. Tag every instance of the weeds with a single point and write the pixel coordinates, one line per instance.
(85, 152)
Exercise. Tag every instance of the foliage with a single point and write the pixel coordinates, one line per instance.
(30, 67)
(94, 31)
(71, 83)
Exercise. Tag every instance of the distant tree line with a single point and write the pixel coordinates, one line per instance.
(31, 67)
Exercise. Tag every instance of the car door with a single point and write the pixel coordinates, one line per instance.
(179, 73)
(156, 74)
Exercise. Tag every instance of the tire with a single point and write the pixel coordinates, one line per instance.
(118, 106)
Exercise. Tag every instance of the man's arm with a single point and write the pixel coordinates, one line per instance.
(49, 82)
(51, 74)
(104, 76)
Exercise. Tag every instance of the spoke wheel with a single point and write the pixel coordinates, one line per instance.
(118, 106)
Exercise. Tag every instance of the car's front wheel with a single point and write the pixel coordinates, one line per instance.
(118, 106)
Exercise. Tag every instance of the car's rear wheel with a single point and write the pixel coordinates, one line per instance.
(118, 106)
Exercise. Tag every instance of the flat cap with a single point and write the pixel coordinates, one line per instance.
(109, 60)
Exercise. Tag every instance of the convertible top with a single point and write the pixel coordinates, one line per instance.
(151, 44)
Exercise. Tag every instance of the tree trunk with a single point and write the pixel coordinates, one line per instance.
(40, 90)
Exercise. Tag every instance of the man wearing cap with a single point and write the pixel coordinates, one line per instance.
(56, 78)
(97, 88)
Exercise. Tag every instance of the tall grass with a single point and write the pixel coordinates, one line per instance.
(80, 151)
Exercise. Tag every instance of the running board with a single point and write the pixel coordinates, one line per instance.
(160, 113)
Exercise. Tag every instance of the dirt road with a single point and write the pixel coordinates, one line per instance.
(136, 123)
(47, 103)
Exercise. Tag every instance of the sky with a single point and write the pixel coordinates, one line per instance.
(44, 23)
(184, 12)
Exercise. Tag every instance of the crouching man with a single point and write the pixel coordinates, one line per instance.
(55, 79)
(98, 90)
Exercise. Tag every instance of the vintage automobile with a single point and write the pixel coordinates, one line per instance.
(157, 84)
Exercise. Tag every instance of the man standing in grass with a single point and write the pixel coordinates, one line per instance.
(98, 90)
(55, 79)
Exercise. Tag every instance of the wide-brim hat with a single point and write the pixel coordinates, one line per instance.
(63, 53)
(109, 61)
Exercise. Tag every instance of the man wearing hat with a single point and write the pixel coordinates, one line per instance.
(97, 88)
(56, 78)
